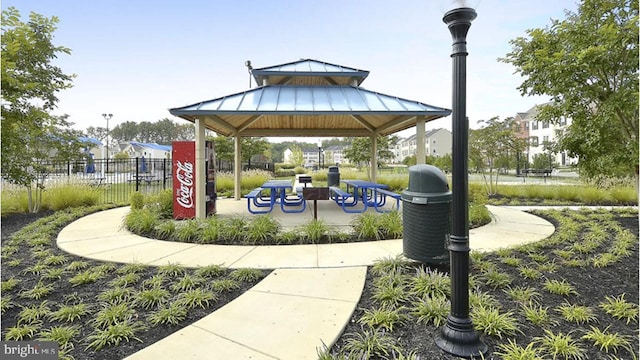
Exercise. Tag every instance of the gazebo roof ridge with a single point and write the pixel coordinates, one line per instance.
(309, 72)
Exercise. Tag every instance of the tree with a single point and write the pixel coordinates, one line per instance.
(224, 148)
(490, 145)
(253, 146)
(161, 132)
(297, 156)
(30, 83)
(588, 65)
(360, 150)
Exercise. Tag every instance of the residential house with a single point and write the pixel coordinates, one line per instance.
(149, 150)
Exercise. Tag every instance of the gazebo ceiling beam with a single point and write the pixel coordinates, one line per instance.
(331, 81)
(248, 123)
(285, 80)
(305, 132)
(364, 122)
(395, 122)
(218, 121)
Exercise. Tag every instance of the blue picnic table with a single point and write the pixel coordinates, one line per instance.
(370, 194)
(278, 189)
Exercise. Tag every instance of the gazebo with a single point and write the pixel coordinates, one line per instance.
(305, 98)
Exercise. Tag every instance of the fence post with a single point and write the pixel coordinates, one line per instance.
(137, 176)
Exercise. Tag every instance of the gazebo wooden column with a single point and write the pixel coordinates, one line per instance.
(200, 173)
(420, 145)
(237, 167)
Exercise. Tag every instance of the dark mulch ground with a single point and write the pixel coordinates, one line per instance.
(87, 294)
(592, 285)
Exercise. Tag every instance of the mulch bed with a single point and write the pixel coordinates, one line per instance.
(87, 294)
(592, 285)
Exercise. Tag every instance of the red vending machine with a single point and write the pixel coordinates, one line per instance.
(183, 156)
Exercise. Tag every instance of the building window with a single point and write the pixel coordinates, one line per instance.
(526, 125)
(534, 141)
(545, 139)
(563, 121)
(534, 126)
(545, 124)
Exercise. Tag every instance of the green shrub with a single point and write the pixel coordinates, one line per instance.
(396, 182)
(300, 170)
(68, 196)
(141, 221)
(224, 181)
(137, 200)
(285, 173)
(252, 179)
(284, 166)
(320, 176)
(161, 203)
(261, 229)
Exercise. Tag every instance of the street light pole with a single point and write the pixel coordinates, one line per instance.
(457, 336)
(107, 117)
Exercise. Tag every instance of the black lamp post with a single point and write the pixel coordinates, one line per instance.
(107, 117)
(319, 154)
(458, 336)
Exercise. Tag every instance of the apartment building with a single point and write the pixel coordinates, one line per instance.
(437, 142)
(541, 133)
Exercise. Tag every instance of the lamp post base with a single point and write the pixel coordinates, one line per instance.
(457, 337)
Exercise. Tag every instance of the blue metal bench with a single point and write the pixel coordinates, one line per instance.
(383, 199)
(255, 197)
(340, 197)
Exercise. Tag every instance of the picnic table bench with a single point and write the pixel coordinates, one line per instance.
(383, 199)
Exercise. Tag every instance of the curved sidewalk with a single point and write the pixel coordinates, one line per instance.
(305, 303)
(101, 236)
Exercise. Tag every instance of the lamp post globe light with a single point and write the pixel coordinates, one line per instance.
(457, 336)
(107, 117)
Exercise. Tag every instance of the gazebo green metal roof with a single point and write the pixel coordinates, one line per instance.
(309, 98)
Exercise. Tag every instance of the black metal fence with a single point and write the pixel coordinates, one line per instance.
(116, 179)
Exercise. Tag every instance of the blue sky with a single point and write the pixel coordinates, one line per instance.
(137, 59)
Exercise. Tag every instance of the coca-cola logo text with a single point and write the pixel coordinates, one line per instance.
(184, 175)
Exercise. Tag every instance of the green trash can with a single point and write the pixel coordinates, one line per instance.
(333, 176)
(426, 215)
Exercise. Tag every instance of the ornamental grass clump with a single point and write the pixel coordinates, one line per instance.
(576, 313)
(261, 229)
(171, 315)
(494, 323)
(70, 313)
(382, 317)
(620, 308)
(608, 341)
(512, 351)
(245, 274)
(431, 310)
(560, 346)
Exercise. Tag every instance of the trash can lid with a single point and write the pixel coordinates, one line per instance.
(333, 169)
(427, 179)
(427, 185)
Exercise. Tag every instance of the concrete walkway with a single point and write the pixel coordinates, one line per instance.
(304, 303)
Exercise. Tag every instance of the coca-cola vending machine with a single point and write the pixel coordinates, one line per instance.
(183, 156)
